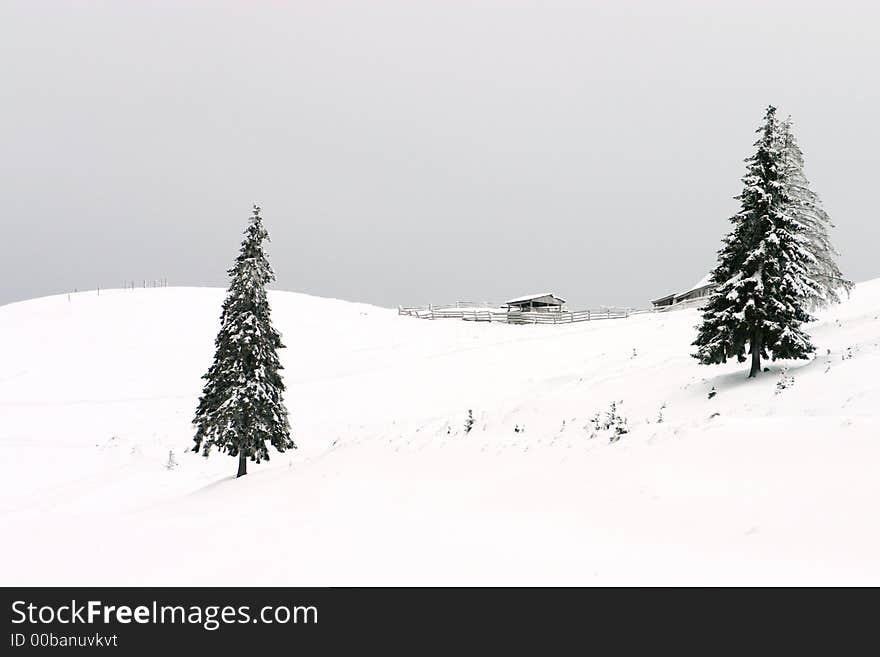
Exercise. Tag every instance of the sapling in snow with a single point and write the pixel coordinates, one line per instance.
(469, 422)
(619, 429)
(785, 381)
(613, 423)
(241, 409)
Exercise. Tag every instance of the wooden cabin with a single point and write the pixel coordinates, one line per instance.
(546, 302)
(662, 302)
(702, 288)
(694, 294)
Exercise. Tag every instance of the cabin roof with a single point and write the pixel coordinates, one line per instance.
(668, 297)
(703, 282)
(535, 297)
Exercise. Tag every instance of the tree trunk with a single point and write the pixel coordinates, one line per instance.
(756, 353)
(242, 465)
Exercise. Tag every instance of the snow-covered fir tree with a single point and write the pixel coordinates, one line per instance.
(762, 281)
(241, 408)
(807, 206)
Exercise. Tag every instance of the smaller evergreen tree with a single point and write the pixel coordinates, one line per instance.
(762, 280)
(807, 207)
(241, 408)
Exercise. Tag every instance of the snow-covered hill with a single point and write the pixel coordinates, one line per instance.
(756, 485)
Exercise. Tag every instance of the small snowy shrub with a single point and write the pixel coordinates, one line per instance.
(785, 381)
(616, 423)
(620, 428)
(593, 426)
(712, 392)
(469, 422)
(172, 462)
(612, 424)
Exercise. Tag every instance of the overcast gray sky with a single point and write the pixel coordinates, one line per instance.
(422, 151)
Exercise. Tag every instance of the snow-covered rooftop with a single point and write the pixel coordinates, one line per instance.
(703, 282)
(532, 297)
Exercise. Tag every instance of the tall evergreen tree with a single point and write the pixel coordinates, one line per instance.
(761, 279)
(241, 408)
(807, 206)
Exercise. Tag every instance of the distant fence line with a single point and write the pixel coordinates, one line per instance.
(127, 285)
(487, 312)
(470, 311)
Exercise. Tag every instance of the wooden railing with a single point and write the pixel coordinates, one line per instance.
(487, 312)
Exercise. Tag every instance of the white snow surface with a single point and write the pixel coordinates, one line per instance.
(754, 486)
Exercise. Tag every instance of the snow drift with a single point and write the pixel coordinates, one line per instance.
(769, 481)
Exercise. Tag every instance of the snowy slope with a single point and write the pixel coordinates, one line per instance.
(752, 486)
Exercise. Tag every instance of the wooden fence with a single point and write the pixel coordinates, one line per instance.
(487, 312)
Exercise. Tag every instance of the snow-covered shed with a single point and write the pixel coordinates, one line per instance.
(700, 290)
(662, 302)
(546, 301)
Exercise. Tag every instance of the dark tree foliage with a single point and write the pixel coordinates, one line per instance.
(762, 279)
(241, 410)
